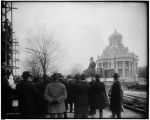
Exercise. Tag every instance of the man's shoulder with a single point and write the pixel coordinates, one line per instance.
(59, 84)
(117, 82)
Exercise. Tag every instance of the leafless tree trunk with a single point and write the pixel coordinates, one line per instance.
(34, 67)
(43, 48)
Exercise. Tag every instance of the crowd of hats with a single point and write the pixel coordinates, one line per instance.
(55, 76)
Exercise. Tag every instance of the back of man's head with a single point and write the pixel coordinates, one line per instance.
(82, 77)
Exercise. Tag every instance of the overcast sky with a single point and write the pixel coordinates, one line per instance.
(82, 29)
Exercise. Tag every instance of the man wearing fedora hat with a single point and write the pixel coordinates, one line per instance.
(97, 96)
(81, 98)
(116, 97)
(28, 94)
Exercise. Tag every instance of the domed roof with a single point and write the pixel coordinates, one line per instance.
(115, 36)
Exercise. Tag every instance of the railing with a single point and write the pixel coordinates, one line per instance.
(135, 103)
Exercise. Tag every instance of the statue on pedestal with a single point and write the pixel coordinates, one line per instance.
(90, 71)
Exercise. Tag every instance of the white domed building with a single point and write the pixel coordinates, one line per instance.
(117, 57)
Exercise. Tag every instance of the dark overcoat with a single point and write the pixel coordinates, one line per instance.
(116, 97)
(81, 97)
(41, 102)
(97, 95)
(6, 94)
(71, 91)
(28, 94)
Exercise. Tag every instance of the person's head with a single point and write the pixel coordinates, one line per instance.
(69, 77)
(116, 76)
(55, 76)
(91, 59)
(26, 75)
(97, 77)
(60, 76)
(82, 77)
(77, 76)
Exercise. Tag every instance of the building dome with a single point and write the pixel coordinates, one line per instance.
(115, 36)
(115, 39)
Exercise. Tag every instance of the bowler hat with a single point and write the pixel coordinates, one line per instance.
(116, 75)
(26, 74)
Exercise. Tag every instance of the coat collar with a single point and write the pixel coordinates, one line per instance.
(116, 81)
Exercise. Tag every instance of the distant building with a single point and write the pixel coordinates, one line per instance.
(117, 57)
(142, 72)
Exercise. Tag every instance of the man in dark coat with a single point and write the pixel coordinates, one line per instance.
(81, 98)
(41, 102)
(6, 92)
(97, 96)
(116, 97)
(27, 93)
(70, 93)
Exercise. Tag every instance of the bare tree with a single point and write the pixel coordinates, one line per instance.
(33, 65)
(44, 50)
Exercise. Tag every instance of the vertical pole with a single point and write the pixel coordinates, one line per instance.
(17, 71)
(6, 50)
(11, 39)
(133, 70)
(123, 70)
(116, 67)
(114, 64)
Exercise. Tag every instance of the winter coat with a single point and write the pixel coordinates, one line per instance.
(81, 97)
(42, 103)
(56, 91)
(6, 94)
(28, 94)
(116, 97)
(97, 95)
(71, 91)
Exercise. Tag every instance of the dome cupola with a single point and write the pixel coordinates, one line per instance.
(115, 39)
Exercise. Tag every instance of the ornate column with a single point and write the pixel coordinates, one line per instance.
(136, 69)
(133, 74)
(129, 69)
(123, 70)
(116, 66)
(109, 64)
(112, 64)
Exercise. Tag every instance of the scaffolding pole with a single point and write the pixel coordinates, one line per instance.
(8, 56)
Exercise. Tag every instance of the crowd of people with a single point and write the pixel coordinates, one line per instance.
(56, 95)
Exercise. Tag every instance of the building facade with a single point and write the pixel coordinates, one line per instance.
(116, 56)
